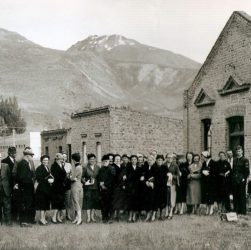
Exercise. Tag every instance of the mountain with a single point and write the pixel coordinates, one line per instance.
(51, 84)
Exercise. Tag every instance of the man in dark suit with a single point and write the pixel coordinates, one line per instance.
(25, 178)
(5, 192)
(239, 181)
(11, 161)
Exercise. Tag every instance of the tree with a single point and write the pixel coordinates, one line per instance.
(11, 117)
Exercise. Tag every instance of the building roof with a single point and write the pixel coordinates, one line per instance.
(55, 131)
(94, 111)
(200, 74)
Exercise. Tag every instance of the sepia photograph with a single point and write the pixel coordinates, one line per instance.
(125, 124)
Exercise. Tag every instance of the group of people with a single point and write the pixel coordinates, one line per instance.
(136, 187)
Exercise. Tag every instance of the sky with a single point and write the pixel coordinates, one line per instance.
(187, 27)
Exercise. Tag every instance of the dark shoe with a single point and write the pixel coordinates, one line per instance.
(169, 217)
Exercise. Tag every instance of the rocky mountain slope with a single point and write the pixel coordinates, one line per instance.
(100, 70)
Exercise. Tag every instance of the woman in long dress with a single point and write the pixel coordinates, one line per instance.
(193, 197)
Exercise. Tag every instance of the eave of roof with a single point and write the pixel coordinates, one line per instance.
(191, 89)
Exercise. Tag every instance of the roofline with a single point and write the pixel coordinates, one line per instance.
(213, 49)
(93, 111)
(55, 131)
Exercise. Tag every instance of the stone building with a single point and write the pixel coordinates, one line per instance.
(55, 141)
(20, 141)
(118, 130)
(217, 106)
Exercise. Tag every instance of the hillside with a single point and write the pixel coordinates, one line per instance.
(50, 84)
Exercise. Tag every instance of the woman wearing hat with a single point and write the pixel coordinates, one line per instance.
(160, 185)
(91, 191)
(105, 180)
(120, 194)
(76, 188)
(149, 178)
(132, 183)
(43, 191)
(58, 188)
(182, 190)
(208, 180)
(173, 174)
(193, 197)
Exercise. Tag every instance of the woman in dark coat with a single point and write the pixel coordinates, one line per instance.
(132, 184)
(91, 187)
(224, 182)
(43, 191)
(149, 178)
(58, 187)
(184, 172)
(120, 194)
(208, 181)
(160, 184)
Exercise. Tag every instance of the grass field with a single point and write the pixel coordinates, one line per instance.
(182, 232)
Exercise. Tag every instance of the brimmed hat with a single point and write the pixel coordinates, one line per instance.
(28, 151)
(206, 154)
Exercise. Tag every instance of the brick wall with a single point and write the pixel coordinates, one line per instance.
(91, 130)
(231, 56)
(53, 141)
(134, 132)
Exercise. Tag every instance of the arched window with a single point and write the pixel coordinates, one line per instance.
(98, 152)
(235, 132)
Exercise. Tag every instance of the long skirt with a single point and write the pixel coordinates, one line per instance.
(76, 197)
(171, 195)
(58, 200)
(120, 199)
(194, 192)
(151, 202)
(91, 199)
(68, 200)
(43, 201)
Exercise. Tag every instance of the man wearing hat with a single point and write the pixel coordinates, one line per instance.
(5, 192)
(25, 178)
(11, 161)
